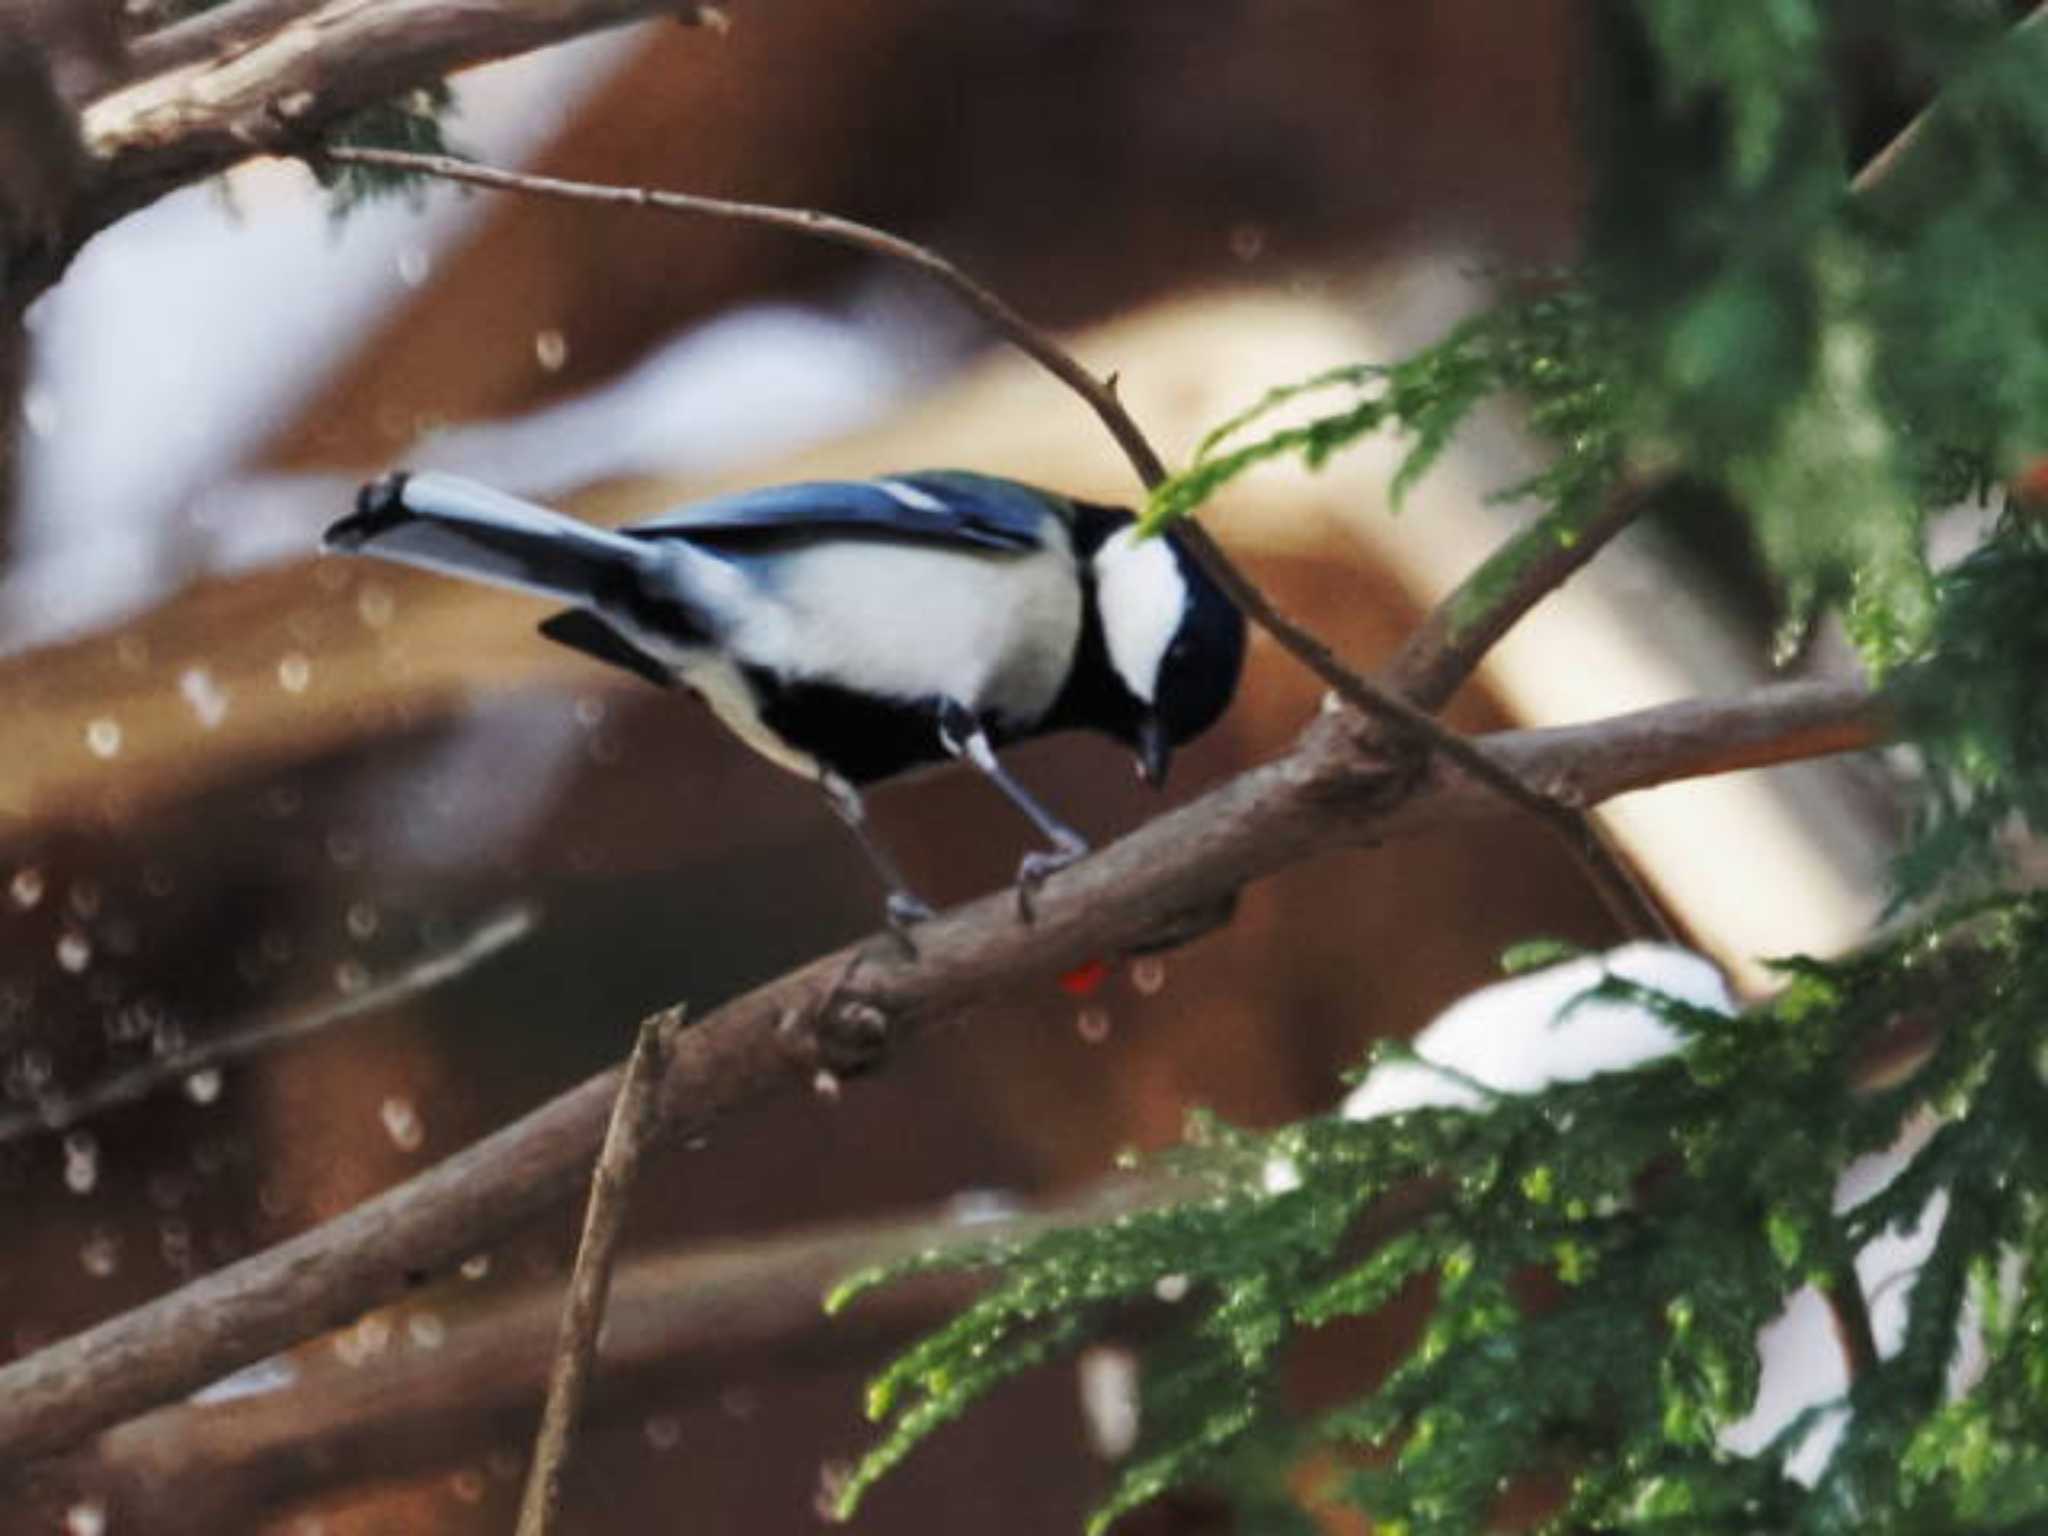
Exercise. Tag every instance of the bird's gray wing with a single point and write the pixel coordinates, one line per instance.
(942, 506)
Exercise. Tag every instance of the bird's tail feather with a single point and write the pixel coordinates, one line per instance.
(461, 528)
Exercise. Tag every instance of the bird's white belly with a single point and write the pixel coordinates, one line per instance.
(887, 620)
(997, 632)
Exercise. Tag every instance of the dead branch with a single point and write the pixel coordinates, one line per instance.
(611, 1186)
(853, 1007)
(493, 935)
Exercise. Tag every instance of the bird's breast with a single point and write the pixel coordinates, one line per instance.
(910, 623)
(839, 656)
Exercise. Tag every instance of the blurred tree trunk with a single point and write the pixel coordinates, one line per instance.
(52, 54)
(38, 157)
(13, 368)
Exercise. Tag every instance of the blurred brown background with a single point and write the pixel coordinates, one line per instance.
(240, 782)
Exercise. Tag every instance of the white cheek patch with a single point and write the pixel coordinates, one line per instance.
(1142, 598)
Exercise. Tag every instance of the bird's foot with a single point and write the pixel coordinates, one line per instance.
(1040, 865)
(905, 910)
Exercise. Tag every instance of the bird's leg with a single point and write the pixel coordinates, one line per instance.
(964, 736)
(905, 907)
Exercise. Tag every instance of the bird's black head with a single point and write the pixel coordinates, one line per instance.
(1172, 642)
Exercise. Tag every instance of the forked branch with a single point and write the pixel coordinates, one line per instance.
(1631, 907)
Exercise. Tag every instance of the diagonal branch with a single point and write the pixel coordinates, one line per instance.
(618, 1162)
(1322, 796)
(1627, 902)
(487, 939)
(1447, 647)
(1630, 905)
(1881, 166)
(223, 29)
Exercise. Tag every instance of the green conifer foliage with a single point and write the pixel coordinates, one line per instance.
(1838, 357)
(412, 122)
(1598, 1259)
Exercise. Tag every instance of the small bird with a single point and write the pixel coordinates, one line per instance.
(851, 630)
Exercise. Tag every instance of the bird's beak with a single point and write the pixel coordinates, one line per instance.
(1155, 750)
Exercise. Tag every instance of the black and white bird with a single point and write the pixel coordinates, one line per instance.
(851, 630)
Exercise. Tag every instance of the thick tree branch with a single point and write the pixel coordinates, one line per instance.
(270, 76)
(225, 29)
(1627, 902)
(851, 1006)
(274, 91)
(1849, 1310)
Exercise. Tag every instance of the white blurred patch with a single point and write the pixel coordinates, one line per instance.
(1526, 1033)
(206, 698)
(1280, 1176)
(910, 496)
(1108, 1378)
(979, 1207)
(1801, 1354)
(186, 335)
(1802, 1369)
(272, 1375)
(756, 383)
(1522, 1035)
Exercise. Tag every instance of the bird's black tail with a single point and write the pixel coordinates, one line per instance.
(462, 528)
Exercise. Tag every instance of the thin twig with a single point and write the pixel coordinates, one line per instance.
(1631, 906)
(1099, 394)
(1318, 799)
(1446, 648)
(1880, 166)
(1456, 635)
(492, 936)
(1850, 1310)
(1627, 902)
(631, 1128)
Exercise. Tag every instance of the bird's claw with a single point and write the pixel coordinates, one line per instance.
(1040, 865)
(905, 910)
